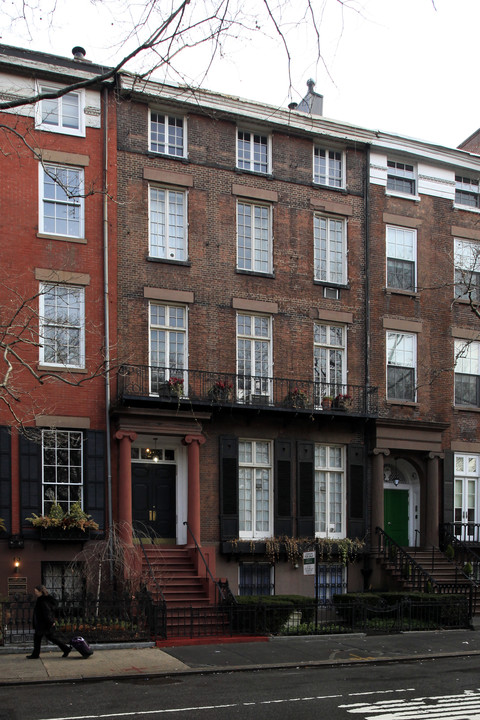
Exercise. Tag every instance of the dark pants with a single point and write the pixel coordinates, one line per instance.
(54, 636)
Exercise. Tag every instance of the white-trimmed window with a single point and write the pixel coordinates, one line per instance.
(466, 496)
(65, 114)
(467, 192)
(467, 373)
(329, 360)
(330, 249)
(254, 237)
(255, 492)
(254, 357)
(401, 366)
(62, 469)
(401, 258)
(168, 347)
(61, 200)
(467, 270)
(256, 579)
(401, 177)
(253, 151)
(328, 167)
(62, 325)
(330, 505)
(167, 134)
(167, 223)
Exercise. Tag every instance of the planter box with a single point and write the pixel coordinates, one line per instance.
(59, 535)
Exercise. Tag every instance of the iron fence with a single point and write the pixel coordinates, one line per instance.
(181, 386)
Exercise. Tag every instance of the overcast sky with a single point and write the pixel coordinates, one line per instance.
(404, 66)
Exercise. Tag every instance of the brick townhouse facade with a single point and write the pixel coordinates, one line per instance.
(56, 163)
(296, 356)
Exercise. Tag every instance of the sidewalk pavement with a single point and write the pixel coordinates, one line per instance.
(117, 662)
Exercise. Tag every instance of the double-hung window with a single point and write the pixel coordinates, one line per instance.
(167, 223)
(467, 270)
(329, 360)
(330, 491)
(401, 366)
(64, 114)
(62, 469)
(466, 496)
(61, 200)
(254, 358)
(253, 151)
(467, 373)
(255, 488)
(168, 347)
(467, 192)
(330, 249)
(401, 177)
(254, 237)
(62, 325)
(401, 256)
(167, 134)
(328, 167)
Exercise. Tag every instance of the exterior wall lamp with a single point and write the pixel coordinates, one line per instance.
(16, 564)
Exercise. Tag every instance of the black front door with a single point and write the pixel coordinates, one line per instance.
(153, 500)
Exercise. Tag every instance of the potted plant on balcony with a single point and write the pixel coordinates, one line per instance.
(296, 398)
(327, 401)
(343, 402)
(59, 525)
(221, 391)
(175, 386)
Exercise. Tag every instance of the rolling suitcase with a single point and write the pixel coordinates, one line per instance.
(80, 644)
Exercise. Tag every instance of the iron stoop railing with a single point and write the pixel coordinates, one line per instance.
(201, 387)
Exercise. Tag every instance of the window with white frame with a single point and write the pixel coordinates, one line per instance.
(255, 488)
(167, 223)
(331, 579)
(401, 257)
(62, 469)
(256, 579)
(64, 114)
(467, 270)
(65, 581)
(61, 200)
(401, 366)
(330, 249)
(328, 167)
(330, 491)
(254, 357)
(466, 496)
(253, 151)
(401, 177)
(62, 325)
(467, 373)
(168, 347)
(467, 192)
(329, 360)
(254, 237)
(167, 134)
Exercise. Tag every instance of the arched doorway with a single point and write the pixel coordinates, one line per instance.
(401, 496)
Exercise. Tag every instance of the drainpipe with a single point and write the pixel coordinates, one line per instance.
(106, 309)
(367, 570)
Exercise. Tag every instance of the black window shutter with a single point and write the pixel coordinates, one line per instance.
(30, 456)
(5, 476)
(305, 490)
(229, 526)
(283, 523)
(94, 475)
(356, 491)
(448, 484)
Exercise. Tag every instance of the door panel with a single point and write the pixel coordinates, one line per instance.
(154, 499)
(396, 515)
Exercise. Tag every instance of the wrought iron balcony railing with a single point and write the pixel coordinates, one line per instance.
(203, 387)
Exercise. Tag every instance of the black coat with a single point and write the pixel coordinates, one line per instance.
(44, 614)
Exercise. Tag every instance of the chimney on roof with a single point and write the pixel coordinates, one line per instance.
(312, 103)
(78, 53)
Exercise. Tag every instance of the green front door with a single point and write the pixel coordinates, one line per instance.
(396, 515)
